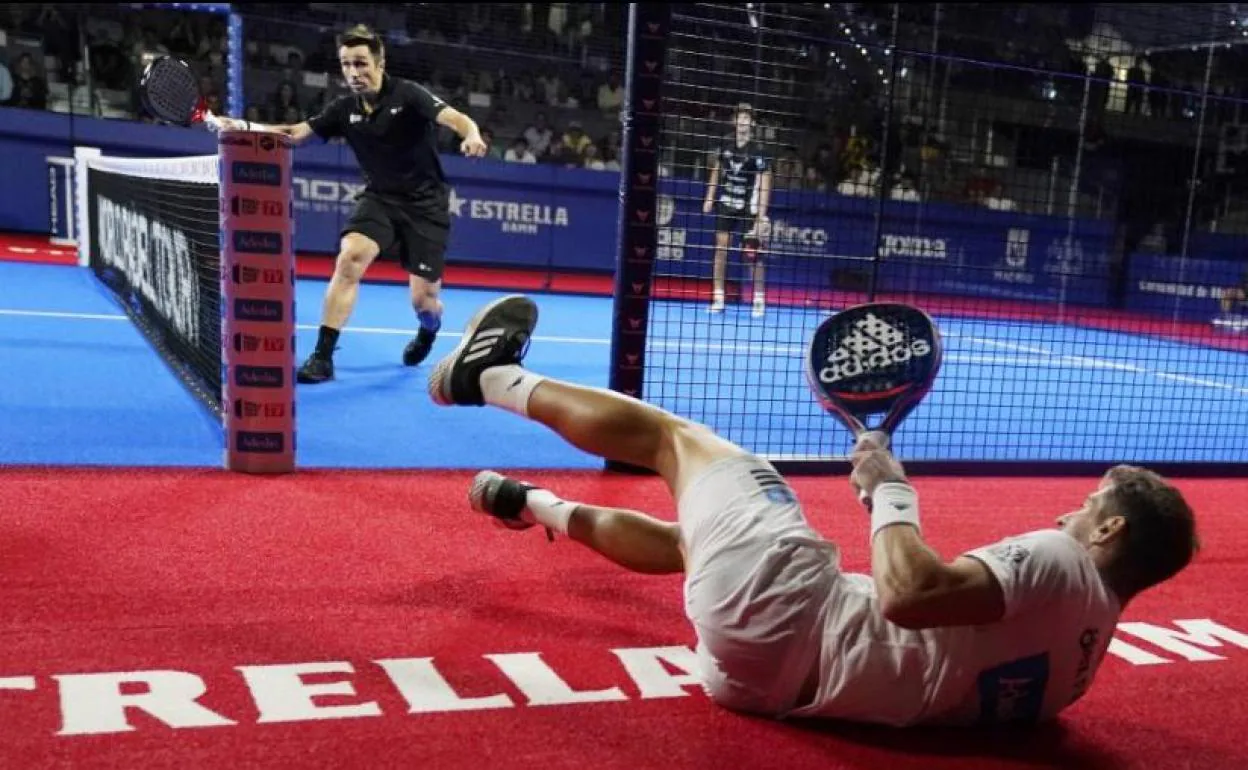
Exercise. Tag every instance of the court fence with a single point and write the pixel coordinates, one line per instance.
(1059, 186)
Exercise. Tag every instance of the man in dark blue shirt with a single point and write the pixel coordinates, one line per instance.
(738, 194)
(392, 126)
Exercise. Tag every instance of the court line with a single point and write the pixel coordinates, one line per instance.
(1042, 359)
(51, 314)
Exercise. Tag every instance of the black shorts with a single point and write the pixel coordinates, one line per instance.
(404, 230)
(732, 220)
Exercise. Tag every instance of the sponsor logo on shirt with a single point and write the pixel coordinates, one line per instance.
(1010, 553)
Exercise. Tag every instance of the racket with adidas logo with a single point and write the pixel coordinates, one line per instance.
(876, 360)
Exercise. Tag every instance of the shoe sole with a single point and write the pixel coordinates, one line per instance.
(440, 379)
(480, 486)
(482, 483)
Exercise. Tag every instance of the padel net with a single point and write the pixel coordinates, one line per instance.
(198, 253)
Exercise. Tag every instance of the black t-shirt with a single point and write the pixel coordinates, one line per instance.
(396, 142)
(739, 169)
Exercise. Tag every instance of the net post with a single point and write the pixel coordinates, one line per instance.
(648, 26)
(257, 301)
(82, 156)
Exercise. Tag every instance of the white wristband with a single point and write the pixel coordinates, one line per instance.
(893, 503)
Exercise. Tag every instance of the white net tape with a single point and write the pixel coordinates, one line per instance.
(201, 169)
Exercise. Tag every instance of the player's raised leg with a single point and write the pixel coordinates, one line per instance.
(485, 369)
(632, 539)
(356, 252)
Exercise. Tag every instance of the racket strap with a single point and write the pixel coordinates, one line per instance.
(894, 503)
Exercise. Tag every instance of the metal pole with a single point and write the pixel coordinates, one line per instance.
(1194, 180)
(888, 126)
(1072, 198)
(1053, 169)
(929, 100)
(929, 95)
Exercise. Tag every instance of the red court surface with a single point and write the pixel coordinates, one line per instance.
(205, 619)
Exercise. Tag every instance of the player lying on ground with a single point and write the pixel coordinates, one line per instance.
(1012, 631)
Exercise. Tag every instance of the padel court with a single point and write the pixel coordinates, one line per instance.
(1011, 390)
(160, 612)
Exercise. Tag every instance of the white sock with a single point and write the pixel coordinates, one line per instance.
(509, 387)
(759, 298)
(548, 510)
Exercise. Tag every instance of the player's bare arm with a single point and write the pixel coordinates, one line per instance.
(467, 130)
(298, 132)
(917, 588)
(711, 185)
(764, 195)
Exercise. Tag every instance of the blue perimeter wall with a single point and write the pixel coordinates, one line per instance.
(550, 218)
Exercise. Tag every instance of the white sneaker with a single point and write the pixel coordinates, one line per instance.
(717, 305)
(760, 307)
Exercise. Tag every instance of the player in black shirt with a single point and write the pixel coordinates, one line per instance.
(392, 126)
(738, 171)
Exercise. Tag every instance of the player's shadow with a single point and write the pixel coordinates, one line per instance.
(1047, 745)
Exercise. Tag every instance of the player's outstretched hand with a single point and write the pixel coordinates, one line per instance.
(873, 463)
(473, 147)
(230, 124)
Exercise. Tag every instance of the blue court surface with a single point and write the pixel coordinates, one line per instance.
(79, 385)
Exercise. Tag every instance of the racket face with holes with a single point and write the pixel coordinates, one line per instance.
(170, 92)
(874, 359)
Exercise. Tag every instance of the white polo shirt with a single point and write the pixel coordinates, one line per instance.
(1040, 658)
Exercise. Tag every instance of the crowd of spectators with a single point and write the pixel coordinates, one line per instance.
(545, 82)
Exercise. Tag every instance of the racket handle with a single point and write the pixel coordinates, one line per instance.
(865, 499)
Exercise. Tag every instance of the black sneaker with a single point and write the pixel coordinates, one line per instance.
(496, 336)
(502, 498)
(418, 348)
(316, 369)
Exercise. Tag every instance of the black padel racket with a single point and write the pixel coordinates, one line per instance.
(170, 92)
(874, 359)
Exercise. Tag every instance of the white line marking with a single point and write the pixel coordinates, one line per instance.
(1007, 345)
(1099, 363)
(1043, 358)
(1194, 380)
(51, 314)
